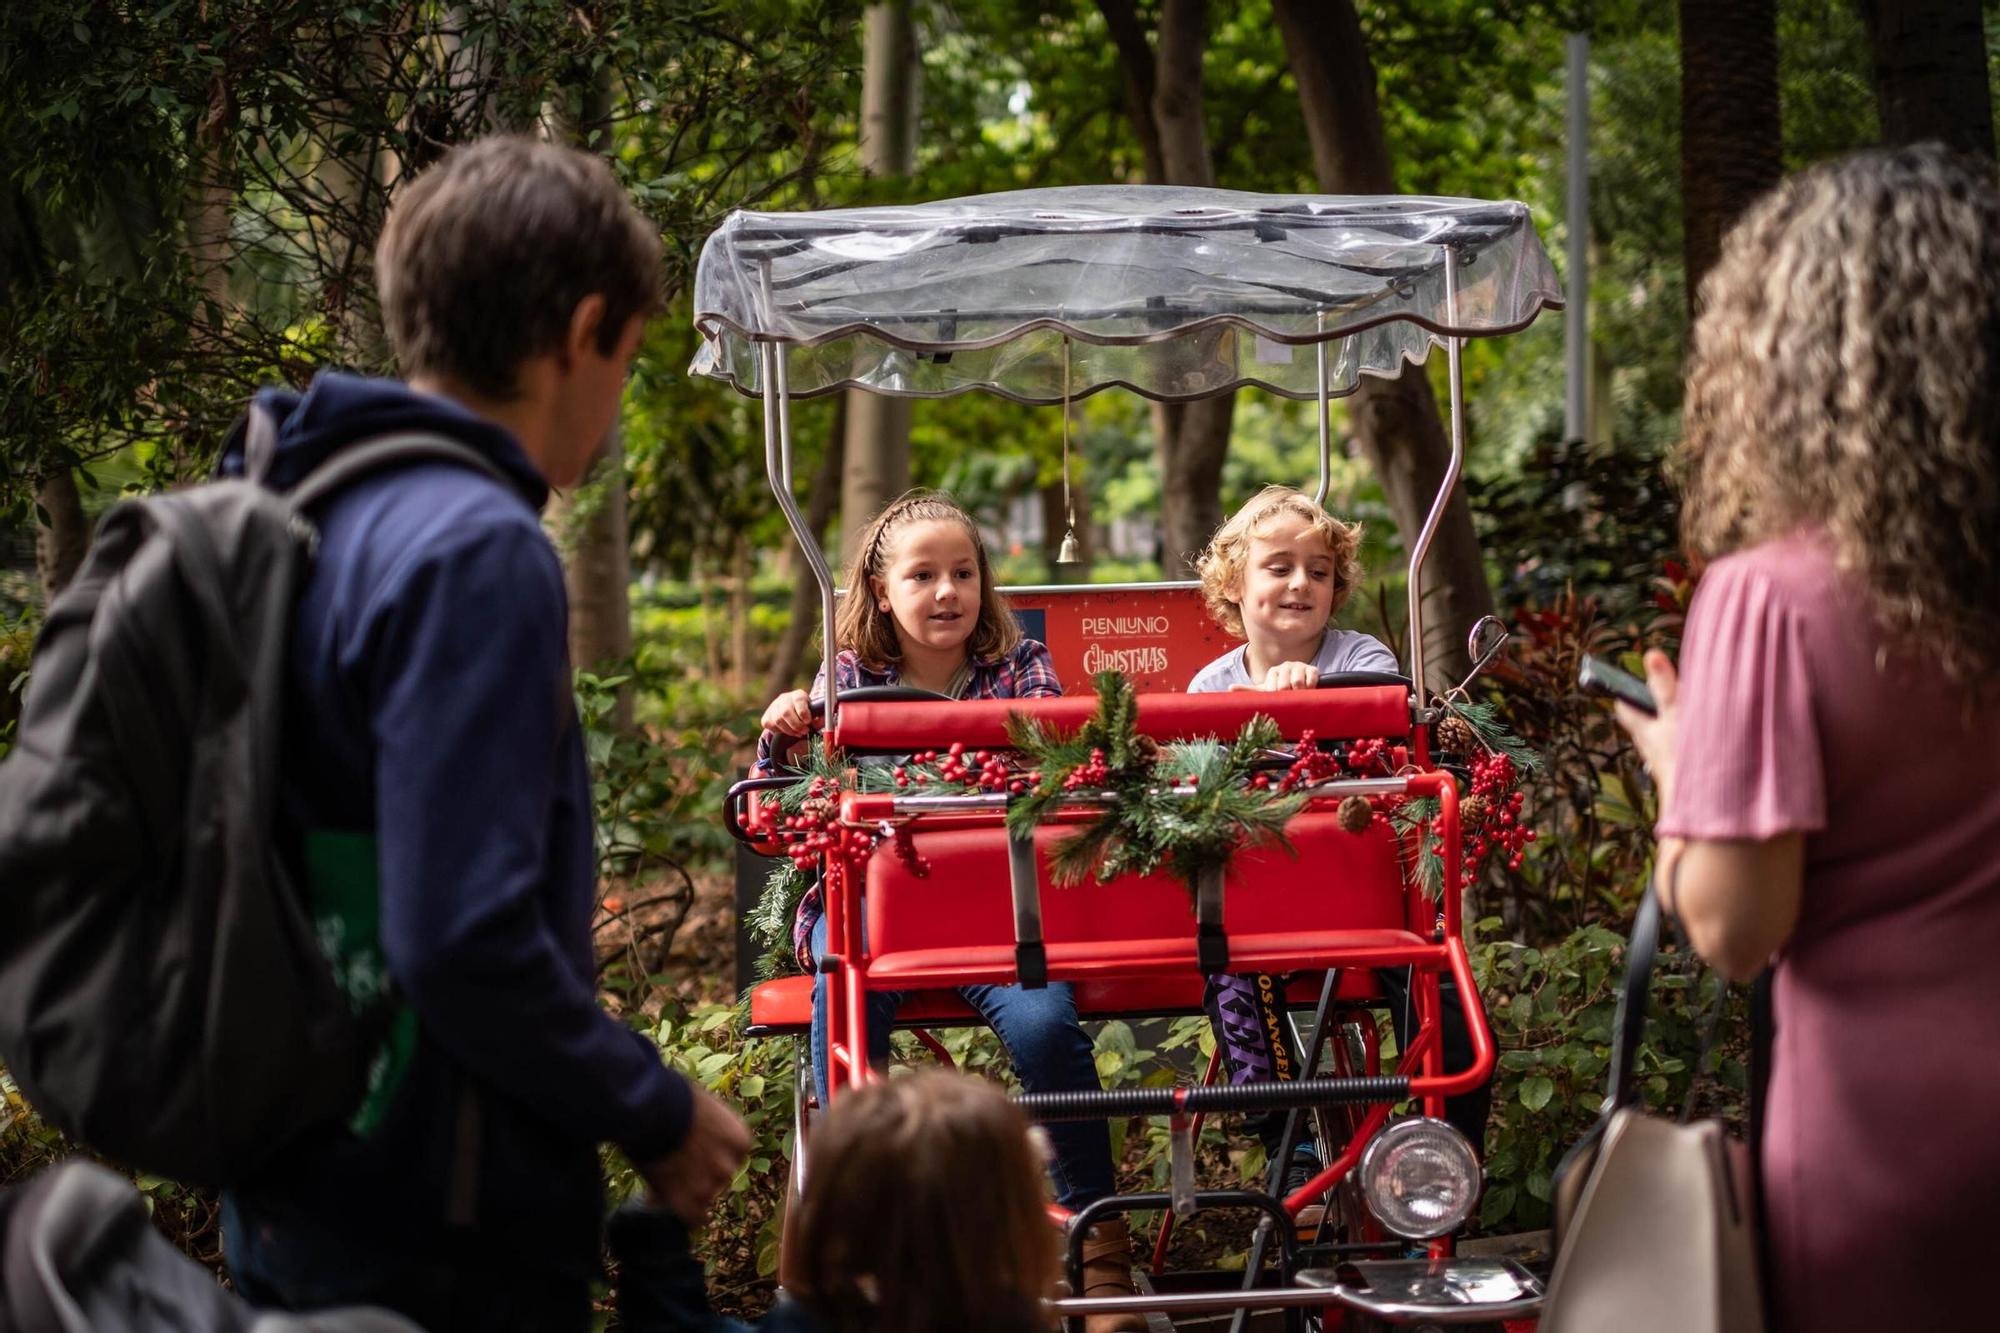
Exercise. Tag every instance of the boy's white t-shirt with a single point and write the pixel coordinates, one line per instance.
(1339, 650)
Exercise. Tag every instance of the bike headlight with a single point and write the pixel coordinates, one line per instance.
(1420, 1177)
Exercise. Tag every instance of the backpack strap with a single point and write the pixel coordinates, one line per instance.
(351, 464)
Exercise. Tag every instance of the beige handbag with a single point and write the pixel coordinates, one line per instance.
(1655, 1223)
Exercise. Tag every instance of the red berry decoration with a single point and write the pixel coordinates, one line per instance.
(1310, 765)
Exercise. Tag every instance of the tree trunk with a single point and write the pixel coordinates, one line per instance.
(1730, 145)
(64, 539)
(739, 617)
(1135, 58)
(1193, 438)
(711, 642)
(1396, 422)
(878, 427)
(208, 203)
(599, 567)
(1929, 69)
(784, 671)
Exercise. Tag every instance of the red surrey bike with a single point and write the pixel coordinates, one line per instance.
(1044, 296)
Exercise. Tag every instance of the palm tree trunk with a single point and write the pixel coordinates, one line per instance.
(1731, 151)
(1929, 69)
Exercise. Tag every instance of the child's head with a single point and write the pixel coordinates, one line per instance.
(924, 1210)
(1281, 565)
(920, 575)
(504, 251)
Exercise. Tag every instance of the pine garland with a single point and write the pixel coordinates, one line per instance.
(1187, 807)
(1491, 732)
(1146, 824)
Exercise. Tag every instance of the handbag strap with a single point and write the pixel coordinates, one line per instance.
(1630, 1023)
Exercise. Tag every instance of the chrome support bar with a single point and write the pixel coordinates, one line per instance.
(778, 471)
(1446, 487)
(1278, 1298)
(1325, 420)
(969, 802)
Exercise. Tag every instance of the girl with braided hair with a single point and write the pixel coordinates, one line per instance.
(922, 610)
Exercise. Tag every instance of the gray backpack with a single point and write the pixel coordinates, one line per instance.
(78, 1254)
(163, 997)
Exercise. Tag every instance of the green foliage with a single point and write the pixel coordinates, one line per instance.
(657, 788)
(1147, 823)
(702, 1041)
(17, 641)
(1551, 1010)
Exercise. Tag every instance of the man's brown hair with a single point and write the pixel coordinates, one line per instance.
(486, 256)
(924, 1210)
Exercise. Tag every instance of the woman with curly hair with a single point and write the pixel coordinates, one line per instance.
(1824, 758)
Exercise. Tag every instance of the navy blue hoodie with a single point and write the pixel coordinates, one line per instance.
(430, 723)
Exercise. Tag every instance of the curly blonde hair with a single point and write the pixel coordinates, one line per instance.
(870, 632)
(1223, 562)
(1845, 373)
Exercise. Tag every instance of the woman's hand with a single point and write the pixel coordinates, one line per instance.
(1657, 738)
(790, 714)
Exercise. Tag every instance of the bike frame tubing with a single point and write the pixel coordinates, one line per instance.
(847, 961)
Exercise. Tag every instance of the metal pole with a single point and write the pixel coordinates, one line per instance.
(1576, 321)
(1445, 486)
(776, 374)
(1325, 421)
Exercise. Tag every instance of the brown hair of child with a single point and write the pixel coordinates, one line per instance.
(870, 632)
(925, 1210)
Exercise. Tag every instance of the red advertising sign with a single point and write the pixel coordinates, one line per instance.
(1158, 635)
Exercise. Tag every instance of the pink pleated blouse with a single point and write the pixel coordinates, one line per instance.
(1881, 1152)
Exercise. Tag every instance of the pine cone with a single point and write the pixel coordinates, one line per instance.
(1355, 814)
(1146, 750)
(1456, 736)
(1472, 811)
(817, 808)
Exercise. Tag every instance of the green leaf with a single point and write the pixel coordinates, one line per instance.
(1536, 1091)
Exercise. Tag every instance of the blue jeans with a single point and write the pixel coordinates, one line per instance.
(1051, 1053)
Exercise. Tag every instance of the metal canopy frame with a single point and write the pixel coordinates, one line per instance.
(774, 354)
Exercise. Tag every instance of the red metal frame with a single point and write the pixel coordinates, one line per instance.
(1431, 944)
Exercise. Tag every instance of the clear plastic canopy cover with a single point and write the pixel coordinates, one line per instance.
(1173, 293)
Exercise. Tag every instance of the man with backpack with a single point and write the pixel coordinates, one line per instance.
(433, 776)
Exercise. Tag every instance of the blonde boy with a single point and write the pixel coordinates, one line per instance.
(1276, 574)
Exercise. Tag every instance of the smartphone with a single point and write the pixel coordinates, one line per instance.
(1597, 676)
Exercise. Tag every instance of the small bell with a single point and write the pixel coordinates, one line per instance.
(1067, 554)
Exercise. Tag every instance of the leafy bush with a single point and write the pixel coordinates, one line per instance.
(1551, 1010)
(17, 641)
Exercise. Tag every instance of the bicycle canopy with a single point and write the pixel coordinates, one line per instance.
(1053, 294)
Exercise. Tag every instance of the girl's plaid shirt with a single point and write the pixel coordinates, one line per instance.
(1025, 673)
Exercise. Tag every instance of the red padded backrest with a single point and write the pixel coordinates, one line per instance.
(1330, 714)
(1158, 635)
(1339, 881)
